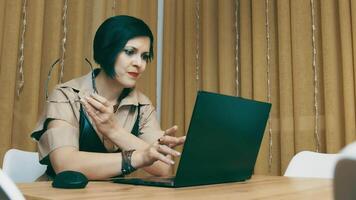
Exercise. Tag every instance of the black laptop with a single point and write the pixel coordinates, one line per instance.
(222, 143)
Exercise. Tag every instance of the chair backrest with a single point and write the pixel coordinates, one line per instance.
(22, 166)
(312, 164)
(8, 189)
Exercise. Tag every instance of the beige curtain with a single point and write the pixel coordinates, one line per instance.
(204, 47)
(43, 37)
(293, 116)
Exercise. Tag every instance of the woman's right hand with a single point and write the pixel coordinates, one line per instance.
(101, 112)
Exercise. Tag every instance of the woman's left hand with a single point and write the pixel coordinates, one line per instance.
(101, 112)
(161, 150)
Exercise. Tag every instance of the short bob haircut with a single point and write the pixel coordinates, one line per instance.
(112, 36)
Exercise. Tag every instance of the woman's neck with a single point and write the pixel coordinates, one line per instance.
(108, 87)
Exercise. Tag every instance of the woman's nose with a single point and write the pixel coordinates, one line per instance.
(138, 61)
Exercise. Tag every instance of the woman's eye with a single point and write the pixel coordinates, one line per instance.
(129, 52)
(146, 57)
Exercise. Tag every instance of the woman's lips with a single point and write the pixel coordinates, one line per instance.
(133, 74)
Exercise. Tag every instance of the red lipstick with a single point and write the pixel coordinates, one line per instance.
(133, 74)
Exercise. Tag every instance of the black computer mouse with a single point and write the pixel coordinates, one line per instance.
(70, 180)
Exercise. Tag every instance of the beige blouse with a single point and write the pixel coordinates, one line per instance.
(53, 138)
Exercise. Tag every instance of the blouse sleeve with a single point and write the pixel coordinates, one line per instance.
(53, 138)
(149, 127)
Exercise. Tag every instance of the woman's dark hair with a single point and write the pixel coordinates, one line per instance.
(112, 36)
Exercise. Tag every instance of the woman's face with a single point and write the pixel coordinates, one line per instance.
(131, 61)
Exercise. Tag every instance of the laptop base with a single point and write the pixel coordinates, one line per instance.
(148, 181)
(168, 182)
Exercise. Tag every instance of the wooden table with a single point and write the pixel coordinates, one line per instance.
(259, 187)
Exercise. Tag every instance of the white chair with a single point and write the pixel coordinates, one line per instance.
(22, 166)
(349, 150)
(8, 189)
(312, 165)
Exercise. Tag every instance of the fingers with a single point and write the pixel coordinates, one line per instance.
(167, 151)
(182, 139)
(100, 99)
(88, 107)
(160, 152)
(164, 159)
(97, 102)
(171, 130)
(97, 115)
(92, 112)
(169, 140)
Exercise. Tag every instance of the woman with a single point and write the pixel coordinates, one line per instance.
(112, 130)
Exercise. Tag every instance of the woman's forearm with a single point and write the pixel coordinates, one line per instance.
(95, 166)
(126, 141)
(98, 166)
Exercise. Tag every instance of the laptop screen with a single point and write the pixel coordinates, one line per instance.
(223, 139)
